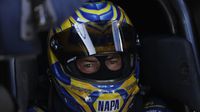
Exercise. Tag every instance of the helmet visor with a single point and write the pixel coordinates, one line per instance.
(93, 38)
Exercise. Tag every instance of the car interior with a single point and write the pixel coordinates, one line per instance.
(168, 50)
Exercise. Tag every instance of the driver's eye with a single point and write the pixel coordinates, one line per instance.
(114, 62)
(88, 65)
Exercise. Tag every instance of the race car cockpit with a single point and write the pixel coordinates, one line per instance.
(169, 35)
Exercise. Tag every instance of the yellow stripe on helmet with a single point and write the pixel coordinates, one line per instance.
(83, 85)
(72, 20)
(74, 94)
(66, 24)
(125, 109)
(125, 17)
(98, 12)
(52, 57)
(114, 13)
(131, 85)
(81, 16)
(122, 15)
(80, 101)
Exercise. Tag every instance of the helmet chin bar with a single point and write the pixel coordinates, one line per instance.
(66, 98)
(84, 96)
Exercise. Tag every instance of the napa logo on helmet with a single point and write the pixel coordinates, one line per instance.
(108, 103)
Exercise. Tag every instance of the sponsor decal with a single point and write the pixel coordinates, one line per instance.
(108, 105)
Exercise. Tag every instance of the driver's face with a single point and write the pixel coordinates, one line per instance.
(91, 64)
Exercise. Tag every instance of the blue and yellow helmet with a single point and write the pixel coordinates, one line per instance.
(99, 29)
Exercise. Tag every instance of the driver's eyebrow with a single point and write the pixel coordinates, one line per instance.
(112, 57)
(89, 59)
(86, 60)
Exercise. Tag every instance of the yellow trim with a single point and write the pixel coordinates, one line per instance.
(130, 85)
(126, 17)
(128, 20)
(136, 90)
(114, 13)
(52, 57)
(83, 85)
(98, 12)
(122, 15)
(81, 16)
(80, 101)
(58, 30)
(125, 109)
(75, 94)
(80, 88)
(72, 20)
(67, 24)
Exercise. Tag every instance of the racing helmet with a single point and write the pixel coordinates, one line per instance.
(93, 59)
